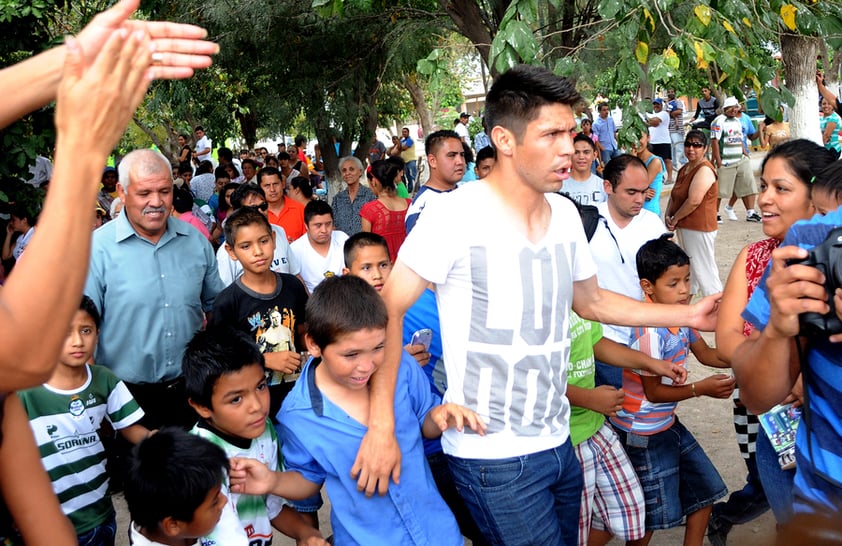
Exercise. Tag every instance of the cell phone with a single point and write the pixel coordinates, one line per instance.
(423, 337)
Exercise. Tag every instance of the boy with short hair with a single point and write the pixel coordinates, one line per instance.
(174, 489)
(225, 381)
(677, 477)
(66, 414)
(486, 157)
(326, 415)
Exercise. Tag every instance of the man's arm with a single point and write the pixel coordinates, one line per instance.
(594, 303)
(379, 456)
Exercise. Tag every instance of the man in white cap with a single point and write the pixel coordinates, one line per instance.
(730, 156)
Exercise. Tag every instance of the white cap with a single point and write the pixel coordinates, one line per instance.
(729, 102)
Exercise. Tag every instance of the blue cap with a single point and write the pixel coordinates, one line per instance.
(657, 101)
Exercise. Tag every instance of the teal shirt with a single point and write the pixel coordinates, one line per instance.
(833, 143)
(151, 297)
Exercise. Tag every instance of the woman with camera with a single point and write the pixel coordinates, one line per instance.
(784, 198)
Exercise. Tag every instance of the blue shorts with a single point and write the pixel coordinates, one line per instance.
(676, 474)
(309, 505)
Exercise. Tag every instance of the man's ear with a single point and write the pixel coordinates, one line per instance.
(503, 139)
(647, 286)
(204, 412)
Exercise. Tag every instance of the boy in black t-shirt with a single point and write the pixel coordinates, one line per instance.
(261, 302)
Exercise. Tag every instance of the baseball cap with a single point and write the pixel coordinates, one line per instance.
(729, 102)
(657, 101)
(464, 115)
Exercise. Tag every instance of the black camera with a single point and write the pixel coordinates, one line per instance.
(827, 258)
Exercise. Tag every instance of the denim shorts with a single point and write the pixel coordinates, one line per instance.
(308, 505)
(102, 535)
(677, 477)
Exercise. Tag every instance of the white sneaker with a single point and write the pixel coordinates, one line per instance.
(729, 212)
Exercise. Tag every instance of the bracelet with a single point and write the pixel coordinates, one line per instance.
(693, 386)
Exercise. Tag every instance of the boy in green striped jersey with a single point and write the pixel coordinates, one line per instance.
(66, 414)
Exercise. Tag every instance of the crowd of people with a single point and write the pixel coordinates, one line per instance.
(486, 359)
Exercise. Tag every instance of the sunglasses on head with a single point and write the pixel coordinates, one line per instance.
(262, 207)
(693, 144)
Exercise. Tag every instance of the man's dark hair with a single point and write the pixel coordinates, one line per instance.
(615, 168)
(182, 200)
(486, 153)
(199, 128)
(302, 183)
(268, 171)
(361, 240)
(205, 167)
(804, 158)
(22, 212)
(385, 172)
(225, 154)
(658, 255)
(282, 156)
(518, 94)
(581, 137)
(185, 169)
(88, 306)
(244, 216)
(170, 474)
(242, 192)
(343, 305)
(300, 141)
(214, 352)
(316, 208)
(435, 140)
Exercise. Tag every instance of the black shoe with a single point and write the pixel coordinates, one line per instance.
(718, 218)
(718, 531)
(753, 217)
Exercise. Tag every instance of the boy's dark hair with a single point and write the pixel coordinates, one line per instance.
(243, 191)
(268, 171)
(658, 255)
(302, 183)
(516, 96)
(221, 172)
(615, 168)
(170, 475)
(87, 305)
(385, 172)
(581, 137)
(804, 158)
(360, 240)
(182, 200)
(199, 128)
(343, 305)
(212, 353)
(205, 167)
(244, 216)
(185, 169)
(829, 179)
(486, 153)
(435, 140)
(283, 155)
(316, 208)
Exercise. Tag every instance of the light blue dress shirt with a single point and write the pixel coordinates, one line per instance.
(151, 297)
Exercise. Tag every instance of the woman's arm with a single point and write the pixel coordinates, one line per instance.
(829, 129)
(699, 186)
(729, 326)
(6, 253)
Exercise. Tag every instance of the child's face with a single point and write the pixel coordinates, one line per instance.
(484, 167)
(824, 201)
(671, 287)
(206, 515)
(351, 360)
(372, 264)
(80, 342)
(254, 248)
(240, 403)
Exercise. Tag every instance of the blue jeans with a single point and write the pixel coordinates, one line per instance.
(777, 483)
(608, 155)
(410, 172)
(101, 535)
(531, 499)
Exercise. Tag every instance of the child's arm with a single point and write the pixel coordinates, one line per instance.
(603, 399)
(707, 355)
(283, 361)
(613, 353)
(418, 352)
(446, 416)
(716, 386)
(294, 525)
(252, 477)
(136, 433)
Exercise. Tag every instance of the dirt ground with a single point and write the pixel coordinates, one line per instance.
(708, 419)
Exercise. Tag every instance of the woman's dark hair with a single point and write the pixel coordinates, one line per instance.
(804, 158)
(223, 204)
(696, 134)
(469, 154)
(182, 200)
(302, 184)
(385, 172)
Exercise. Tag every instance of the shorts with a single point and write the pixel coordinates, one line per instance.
(612, 499)
(664, 151)
(670, 494)
(309, 505)
(736, 178)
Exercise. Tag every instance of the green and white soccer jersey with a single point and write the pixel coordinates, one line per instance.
(254, 512)
(66, 425)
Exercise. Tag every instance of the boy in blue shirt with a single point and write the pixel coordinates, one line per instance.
(324, 418)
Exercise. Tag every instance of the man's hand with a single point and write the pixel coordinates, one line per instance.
(703, 313)
(447, 416)
(177, 48)
(419, 353)
(793, 290)
(606, 400)
(720, 385)
(378, 459)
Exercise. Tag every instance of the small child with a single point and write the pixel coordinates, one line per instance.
(225, 381)
(66, 414)
(325, 417)
(677, 477)
(174, 489)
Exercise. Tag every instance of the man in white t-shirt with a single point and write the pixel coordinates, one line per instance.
(583, 186)
(659, 134)
(203, 145)
(625, 227)
(461, 128)
(508, 258)
(321, 249)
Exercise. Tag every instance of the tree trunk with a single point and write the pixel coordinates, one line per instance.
(248, 127)
(474, 24)
(425, 115)
(798, 54)
(168, 147)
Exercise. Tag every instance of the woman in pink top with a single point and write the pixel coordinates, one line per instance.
(386, 214)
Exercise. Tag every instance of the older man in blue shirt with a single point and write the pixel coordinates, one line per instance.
(152, 277)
